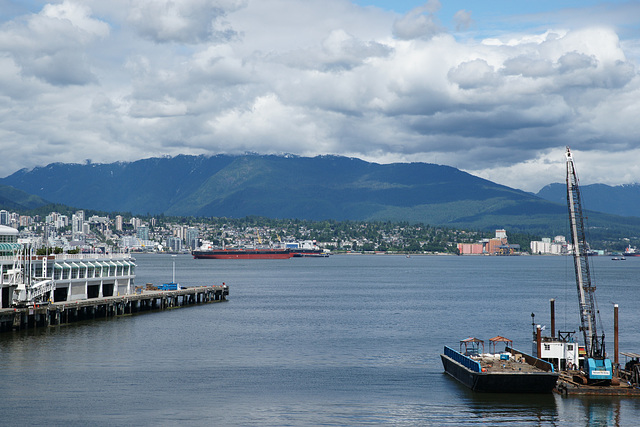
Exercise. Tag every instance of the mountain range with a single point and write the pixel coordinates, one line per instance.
(318, 188)
(618, 200)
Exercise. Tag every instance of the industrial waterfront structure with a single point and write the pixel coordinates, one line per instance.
(26, 278)
(499, 245)
(546, 246)
(57, 289)
(63, 313)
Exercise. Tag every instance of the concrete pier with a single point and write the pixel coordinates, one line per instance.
(61, 313)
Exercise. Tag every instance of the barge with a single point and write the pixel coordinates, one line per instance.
(510, 371)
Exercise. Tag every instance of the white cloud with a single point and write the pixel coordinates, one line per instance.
(185, 21)
(141, 79)
(472, 74)
(76, 14)
(420, 22)
(339, 51)
(52, 45)
(463, 20)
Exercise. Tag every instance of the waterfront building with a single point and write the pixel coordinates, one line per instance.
(8, 240)
(59, 277)
(546, 246)
(471, 248)
(496, 246)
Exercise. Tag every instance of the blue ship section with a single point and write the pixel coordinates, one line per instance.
(599, 369)
(462, 359)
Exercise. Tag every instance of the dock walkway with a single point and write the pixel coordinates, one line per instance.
(60, 313)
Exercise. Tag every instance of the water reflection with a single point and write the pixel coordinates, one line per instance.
(546, 409)
(513, 409)
(595, 410)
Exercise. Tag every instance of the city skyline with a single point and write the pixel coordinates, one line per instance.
(496, 90)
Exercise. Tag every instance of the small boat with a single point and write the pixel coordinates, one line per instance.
(510, 371)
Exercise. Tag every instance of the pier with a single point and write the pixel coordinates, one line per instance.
(66, 312)
(569, 386)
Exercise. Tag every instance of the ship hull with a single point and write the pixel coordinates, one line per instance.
(243, 254)
(500, 382)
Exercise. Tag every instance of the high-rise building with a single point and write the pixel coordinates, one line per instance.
(136, 222)
(77, 221)
(4, 217)
(143, 232)
(25, 220)
(174, 244)
(119, 222)
(191, 237)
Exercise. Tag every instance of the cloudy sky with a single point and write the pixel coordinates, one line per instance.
(496, 88)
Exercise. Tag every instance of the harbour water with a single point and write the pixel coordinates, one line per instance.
(345, 340)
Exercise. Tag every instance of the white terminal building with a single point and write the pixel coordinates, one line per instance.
(557, 246)
(26, 278)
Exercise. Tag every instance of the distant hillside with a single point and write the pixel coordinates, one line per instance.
(14, 199)
(324, 187)
(618, 200)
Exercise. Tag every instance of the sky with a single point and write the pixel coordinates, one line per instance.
(497, 89)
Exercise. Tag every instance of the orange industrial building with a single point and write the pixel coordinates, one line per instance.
(496, 246)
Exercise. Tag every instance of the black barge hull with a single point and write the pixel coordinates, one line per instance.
(500, 382)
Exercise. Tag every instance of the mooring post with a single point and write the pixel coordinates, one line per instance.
(553, 317)
(615, 336)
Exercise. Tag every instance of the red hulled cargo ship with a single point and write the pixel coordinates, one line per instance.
(258, 253)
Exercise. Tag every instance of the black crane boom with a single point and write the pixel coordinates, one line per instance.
(594, 345)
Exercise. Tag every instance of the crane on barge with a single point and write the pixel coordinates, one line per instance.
(596, 365)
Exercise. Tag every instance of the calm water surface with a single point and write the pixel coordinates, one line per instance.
(345, 340)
